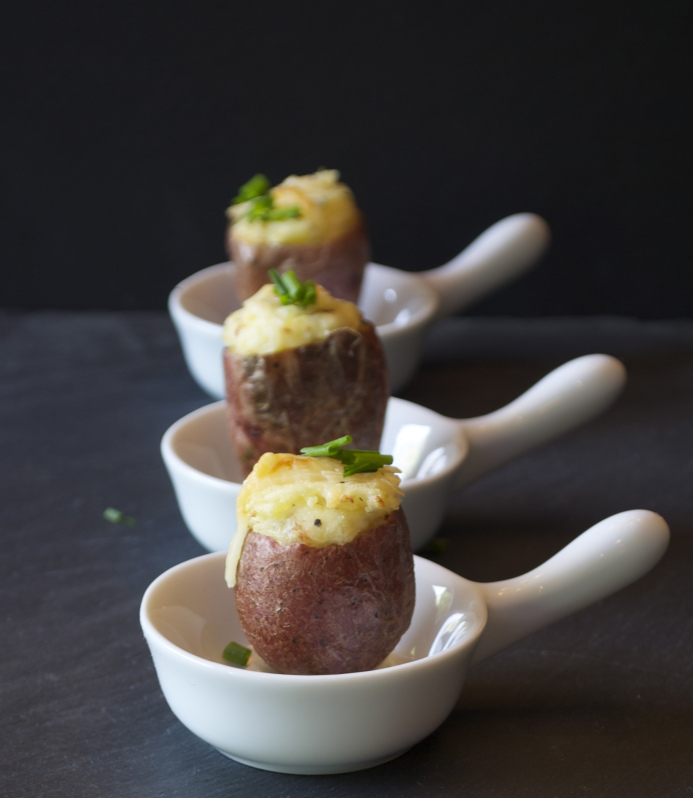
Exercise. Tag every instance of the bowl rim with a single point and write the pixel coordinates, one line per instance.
(175, 461)
(155, 637)
(183, 315)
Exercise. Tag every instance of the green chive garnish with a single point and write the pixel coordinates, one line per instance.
(329, 449)
(273, 214)
(362, 460)
(258, 206)
(117, 516)
(255, 187)
(291, 291)
(236, 654)
(355, 461)
(260, 203)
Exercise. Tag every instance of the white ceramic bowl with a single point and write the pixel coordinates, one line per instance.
(345, 722)
(401, 304)
(435, 454)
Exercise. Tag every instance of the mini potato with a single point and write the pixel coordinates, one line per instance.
(309, 224)
(321, 566)
(295, 375)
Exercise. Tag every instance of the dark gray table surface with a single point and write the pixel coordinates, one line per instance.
(599, 704)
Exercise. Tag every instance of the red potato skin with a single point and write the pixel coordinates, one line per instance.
(337, 609)
(337, 265)
(307, 395)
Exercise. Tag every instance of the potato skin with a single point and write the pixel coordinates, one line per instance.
(338, 265)
(337, 609)
(307, 395)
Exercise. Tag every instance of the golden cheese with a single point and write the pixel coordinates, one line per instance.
(263, 325)
(327, 210)
(296, 499)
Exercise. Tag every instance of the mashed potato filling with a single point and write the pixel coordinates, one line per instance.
(296, 499)
(263, 325)
(327, 211)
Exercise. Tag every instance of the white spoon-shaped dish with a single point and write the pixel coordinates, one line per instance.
(346, 722)
(401, 304)
(435, 454)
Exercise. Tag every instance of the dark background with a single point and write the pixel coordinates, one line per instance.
(125, 129)
(128, 126)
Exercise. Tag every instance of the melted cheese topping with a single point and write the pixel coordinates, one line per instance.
(327, 208)
(263, 325)
(286, 495)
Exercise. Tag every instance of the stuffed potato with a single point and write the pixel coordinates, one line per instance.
(296, 374)
(308, 223)
(321, 565)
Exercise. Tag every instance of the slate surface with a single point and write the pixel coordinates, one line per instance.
(599, 704)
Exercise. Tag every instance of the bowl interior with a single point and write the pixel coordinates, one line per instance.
(209, 294)
(388, 296)
(201, 440)
(423, 443)
(193, 609)
(392, 299)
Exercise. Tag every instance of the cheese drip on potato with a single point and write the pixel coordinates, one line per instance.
(263, 325)
(327, 211)
(297, 499)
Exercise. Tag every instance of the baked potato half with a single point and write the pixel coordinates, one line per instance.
(309, 224)
(321, 566)
(295, 375)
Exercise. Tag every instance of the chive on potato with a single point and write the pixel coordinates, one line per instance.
(301, 365)
(321, 564)
(309, 224)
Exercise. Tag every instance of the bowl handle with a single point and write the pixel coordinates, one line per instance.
(569, 396)
(498, 255)
(604, 559)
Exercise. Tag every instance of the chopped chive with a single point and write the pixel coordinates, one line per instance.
(117, 516)
(366, 464)
(255, 187)
(291, 291)
(273, 214)
(259, 207)
(262, 209)
(355, 461)
(278, 282)
(309, 296)
(292, 282)
(329, 449)
(256, 192)
(236, 654)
